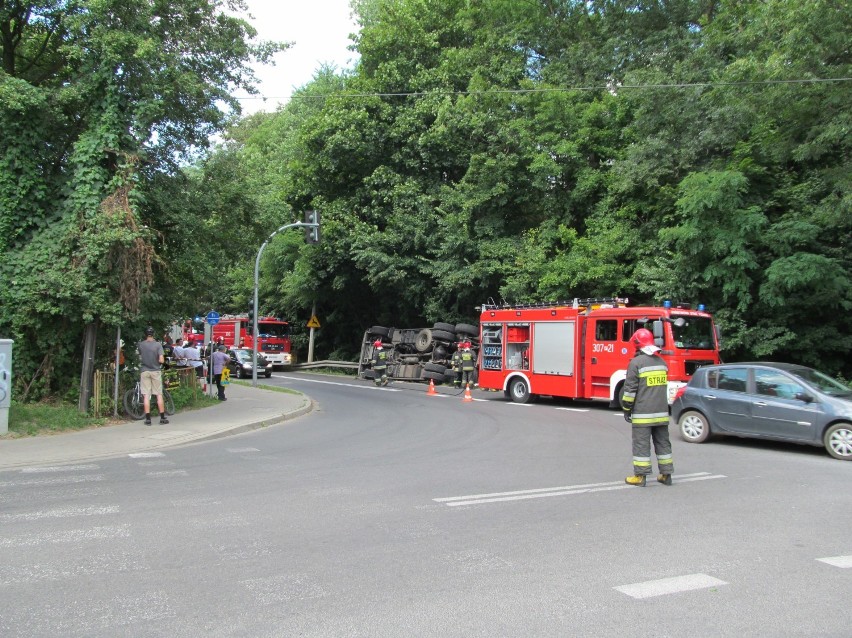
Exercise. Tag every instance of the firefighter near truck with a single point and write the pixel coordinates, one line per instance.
(580, 349)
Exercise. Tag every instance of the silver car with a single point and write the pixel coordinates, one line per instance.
(778, 401)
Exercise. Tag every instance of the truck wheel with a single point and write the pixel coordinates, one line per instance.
(446, 327)
(519, 390)
(466, 329)
(423, 340)
(443, 335)
(435, 376)
(435, 367)
(379, 331)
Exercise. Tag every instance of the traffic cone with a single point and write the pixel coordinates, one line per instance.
(431, 392)
(467, 396)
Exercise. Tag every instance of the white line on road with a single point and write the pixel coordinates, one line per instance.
(673, 585)
(64, 480)
(58, 468)
(165, 473)
(844, 562)
(565, 490)
(242, 450)
(574, 409)
(65, 512)
(70, 536)
(346, 385)
(145, 455)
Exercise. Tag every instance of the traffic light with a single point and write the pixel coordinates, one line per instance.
(312, 233)
(251, 312)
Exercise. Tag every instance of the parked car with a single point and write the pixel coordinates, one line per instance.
(240, 364)
(778, 401)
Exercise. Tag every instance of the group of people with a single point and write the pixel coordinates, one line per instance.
(155, 356)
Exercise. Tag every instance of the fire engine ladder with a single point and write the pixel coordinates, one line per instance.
(586, 304)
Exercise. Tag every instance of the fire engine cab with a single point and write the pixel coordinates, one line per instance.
(273, 334)
(580, 349)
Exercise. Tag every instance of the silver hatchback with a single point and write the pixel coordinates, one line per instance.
(778, 401)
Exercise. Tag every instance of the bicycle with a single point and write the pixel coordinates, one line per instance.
(134, 402)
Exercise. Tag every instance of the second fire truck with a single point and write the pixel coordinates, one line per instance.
(580, 349)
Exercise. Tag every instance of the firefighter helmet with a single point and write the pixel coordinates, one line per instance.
(377, 343)
(644, 341)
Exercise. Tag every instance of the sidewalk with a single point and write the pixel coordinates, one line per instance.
(247, 408)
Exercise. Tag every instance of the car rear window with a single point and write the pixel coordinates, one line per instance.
(733, 379)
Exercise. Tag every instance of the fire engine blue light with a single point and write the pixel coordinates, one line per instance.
(701, 307)
(667, 304)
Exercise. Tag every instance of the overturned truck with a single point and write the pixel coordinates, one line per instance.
(418, 354)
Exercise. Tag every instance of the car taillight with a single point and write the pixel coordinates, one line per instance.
(679, 392)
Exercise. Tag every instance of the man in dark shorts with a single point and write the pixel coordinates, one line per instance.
(151, 380)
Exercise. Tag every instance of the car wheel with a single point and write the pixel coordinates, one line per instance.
(267, 374)
(694, 427)
(519, 391)
(838, 441)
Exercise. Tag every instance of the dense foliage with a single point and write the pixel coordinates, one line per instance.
(100, 101)
(695, 150)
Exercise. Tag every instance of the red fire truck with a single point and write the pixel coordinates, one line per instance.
(273, 333)
(580, 349)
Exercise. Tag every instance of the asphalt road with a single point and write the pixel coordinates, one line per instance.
(387, 512)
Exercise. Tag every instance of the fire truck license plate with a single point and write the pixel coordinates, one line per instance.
(658, 378)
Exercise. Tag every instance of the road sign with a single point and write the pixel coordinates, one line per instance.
(313, 322)
(212, 318)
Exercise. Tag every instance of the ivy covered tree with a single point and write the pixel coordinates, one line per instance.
(98, 99)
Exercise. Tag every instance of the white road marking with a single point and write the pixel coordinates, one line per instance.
(520, 405)
(242, 450)
(844, 562)
(565, 490)
(70, 536)
(346, 385)
(574, 409)
(58, 468)
(165, 473)
(86, 478)
(66, 512)
(672, 585)
(145, 455)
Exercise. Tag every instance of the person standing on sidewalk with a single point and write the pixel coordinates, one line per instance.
(151, 380)
(646, 407)
(193, 358)
(219, 360)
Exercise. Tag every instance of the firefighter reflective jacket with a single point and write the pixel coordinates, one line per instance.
(467, 364)
(457, 360)
(380, 359)
(646, 390)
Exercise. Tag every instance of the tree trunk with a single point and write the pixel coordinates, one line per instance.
(90, 340)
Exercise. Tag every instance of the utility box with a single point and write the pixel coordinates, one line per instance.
(5, 383)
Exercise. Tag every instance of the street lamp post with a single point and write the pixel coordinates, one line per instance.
(311, 226)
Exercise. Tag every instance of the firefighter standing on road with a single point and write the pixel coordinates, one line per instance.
(456, 363)
(468, 364)
(646, 407)
(380, 363)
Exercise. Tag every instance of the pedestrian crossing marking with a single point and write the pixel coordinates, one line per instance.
(673, 585)
(844, 562)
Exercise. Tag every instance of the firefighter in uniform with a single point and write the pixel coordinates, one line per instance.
(456, 362)
(646, 407)
(468, 364)
(380, 363)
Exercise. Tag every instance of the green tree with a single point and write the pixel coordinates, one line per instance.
(122, 91)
